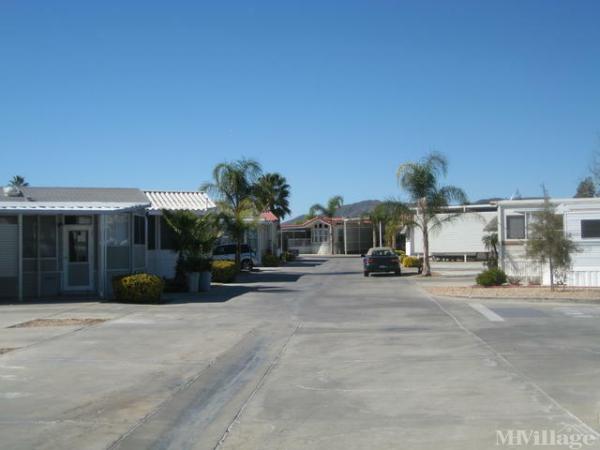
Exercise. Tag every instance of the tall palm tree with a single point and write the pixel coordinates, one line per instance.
(18, 181)
(273, 194)
(328, 211)
(233, 187)
(420, 180)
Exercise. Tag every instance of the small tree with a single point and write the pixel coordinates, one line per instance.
(18, 181)
(490, 241)
(586, 188)
(193, 236)
(547, 242)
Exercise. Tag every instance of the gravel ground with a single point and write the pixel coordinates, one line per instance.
(525, 292)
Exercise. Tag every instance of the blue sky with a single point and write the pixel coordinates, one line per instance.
(334, 95)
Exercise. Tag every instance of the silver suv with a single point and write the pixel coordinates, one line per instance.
(227, 252)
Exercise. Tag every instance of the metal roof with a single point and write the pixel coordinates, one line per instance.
(179, 200)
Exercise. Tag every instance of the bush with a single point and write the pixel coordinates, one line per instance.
(401, 253)
(138, 288)
(412, 261)
(491, 277)
(288, 256)
(224, 271)
(270, 260)
(197, 264)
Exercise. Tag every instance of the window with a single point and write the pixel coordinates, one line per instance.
(590, 229)
(320, 233)
(47, 236)
(117, 230)
(515, 227)
(151, 232)
(139, 230)
(30, 237)
(167, 235)
(78, 220)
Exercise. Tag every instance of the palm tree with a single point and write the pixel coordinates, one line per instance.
(394, 215)
(18, 181)
(193, 235)
(420, 181)
(233, 187)
(328, 211)
(272, 194)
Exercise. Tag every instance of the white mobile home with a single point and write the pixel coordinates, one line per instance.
(460, 238)
(581, 222)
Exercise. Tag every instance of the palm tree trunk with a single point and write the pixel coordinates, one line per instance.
(551, 275)
(331, 238)
(426, 266)
(374, 234)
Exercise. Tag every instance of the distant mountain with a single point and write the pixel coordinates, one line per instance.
(357, 209)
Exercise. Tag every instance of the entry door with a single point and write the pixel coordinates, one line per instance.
(78, 257)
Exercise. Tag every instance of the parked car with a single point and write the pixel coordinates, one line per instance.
(227, 252)
(381, 260)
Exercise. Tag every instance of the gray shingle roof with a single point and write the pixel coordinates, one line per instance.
(77, 194)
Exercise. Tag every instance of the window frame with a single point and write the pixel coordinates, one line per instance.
(506, 228)
(581, 229)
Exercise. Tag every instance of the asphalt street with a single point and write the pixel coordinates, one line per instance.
(310, 356)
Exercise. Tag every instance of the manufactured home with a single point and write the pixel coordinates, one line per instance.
(459, 238)
(69, 241)
(581, 222)
(60, 242)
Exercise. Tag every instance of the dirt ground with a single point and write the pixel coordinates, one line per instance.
(525, 292)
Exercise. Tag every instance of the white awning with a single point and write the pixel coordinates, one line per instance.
(178, 201)
(68, 207)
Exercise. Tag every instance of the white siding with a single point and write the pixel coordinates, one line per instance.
(585, 269)
(460, 236)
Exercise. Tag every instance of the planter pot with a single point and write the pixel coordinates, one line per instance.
(193, 281)
(205, 279)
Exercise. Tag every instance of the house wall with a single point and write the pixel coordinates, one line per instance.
(585, 269)
(461, 236)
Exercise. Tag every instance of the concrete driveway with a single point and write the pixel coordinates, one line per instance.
(311, 356)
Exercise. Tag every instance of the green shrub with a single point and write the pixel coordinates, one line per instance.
(270, 260)
(138, 288)
(224, 271)
(491, 277)
(401, 253)
(197, 264)
(412, 261)
(288, 256)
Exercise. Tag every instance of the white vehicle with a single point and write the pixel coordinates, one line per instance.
(227, 252)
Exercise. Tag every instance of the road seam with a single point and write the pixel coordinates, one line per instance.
(259, 385)
(507, 363)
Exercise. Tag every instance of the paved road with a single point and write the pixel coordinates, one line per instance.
(314, 356)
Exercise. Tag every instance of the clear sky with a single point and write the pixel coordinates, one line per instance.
(334, 95)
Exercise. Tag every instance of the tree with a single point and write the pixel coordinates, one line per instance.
(18, 181)
(272, 194)
(490, 241)
(546, 240)
(234, 189)
(193, 236)
(586, 188)
(394, 215)
(328, 211)
(420, 180)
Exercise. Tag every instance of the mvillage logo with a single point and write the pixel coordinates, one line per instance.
(571, 436)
